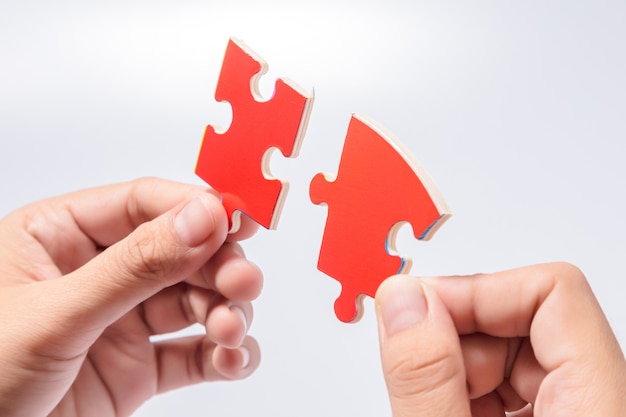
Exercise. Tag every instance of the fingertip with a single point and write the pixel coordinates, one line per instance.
(200, 218)
(420, 350)
(227, 325)
(237, 363)
(246, 287)
(245, 230)
(234, 276)
(400, 303)
(395, 284)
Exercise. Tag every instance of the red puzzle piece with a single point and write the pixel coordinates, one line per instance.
(378, 188)
(235, 162)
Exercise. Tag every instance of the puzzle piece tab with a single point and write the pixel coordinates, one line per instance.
(236, 162)
(378, 188)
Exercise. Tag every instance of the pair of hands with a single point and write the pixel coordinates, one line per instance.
(88, 278)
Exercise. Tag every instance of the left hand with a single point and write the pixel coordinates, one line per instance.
(85, 281)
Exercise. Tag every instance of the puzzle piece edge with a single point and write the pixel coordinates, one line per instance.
(353, 303)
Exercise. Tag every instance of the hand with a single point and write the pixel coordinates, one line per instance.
(87, 279)
(532, 339)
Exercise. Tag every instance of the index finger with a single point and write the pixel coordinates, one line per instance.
(108, 214)
(551, 303)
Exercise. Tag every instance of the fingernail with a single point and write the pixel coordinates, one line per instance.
(245, 356)
(239, 312)
(195, 222)
(403, 305)
(238, 250)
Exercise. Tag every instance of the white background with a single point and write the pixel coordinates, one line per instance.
(516, 109)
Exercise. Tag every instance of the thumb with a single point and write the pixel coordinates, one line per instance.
(420, 351)
(157, 254)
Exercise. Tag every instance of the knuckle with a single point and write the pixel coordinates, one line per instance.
(565, 273)
(135, 210)
(147, 182)
(566, 269)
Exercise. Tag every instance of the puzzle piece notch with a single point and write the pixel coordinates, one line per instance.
(379, 186)
(236, 162)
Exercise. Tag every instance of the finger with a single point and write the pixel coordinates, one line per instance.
(156, 255)
(247, 229)
(504, 304)
(554, 305)
(227, 277)
(491, 362)
(485, 359)
(489, 405)
(168, 310)
(420, 350)
(226, 322)
(237, 363)
(191, 360)
(524, 412)
(49, 241)
(108, 214)
(73, 228)
(525, 378)
(182, 305)
(511, 399)
(230, 274)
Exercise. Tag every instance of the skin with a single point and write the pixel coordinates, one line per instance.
(527, 342)
(86, 279)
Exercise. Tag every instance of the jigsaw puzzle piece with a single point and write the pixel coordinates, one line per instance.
(236, 162)
(378, 187)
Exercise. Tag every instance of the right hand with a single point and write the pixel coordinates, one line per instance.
(533, 341)
(88, 278)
